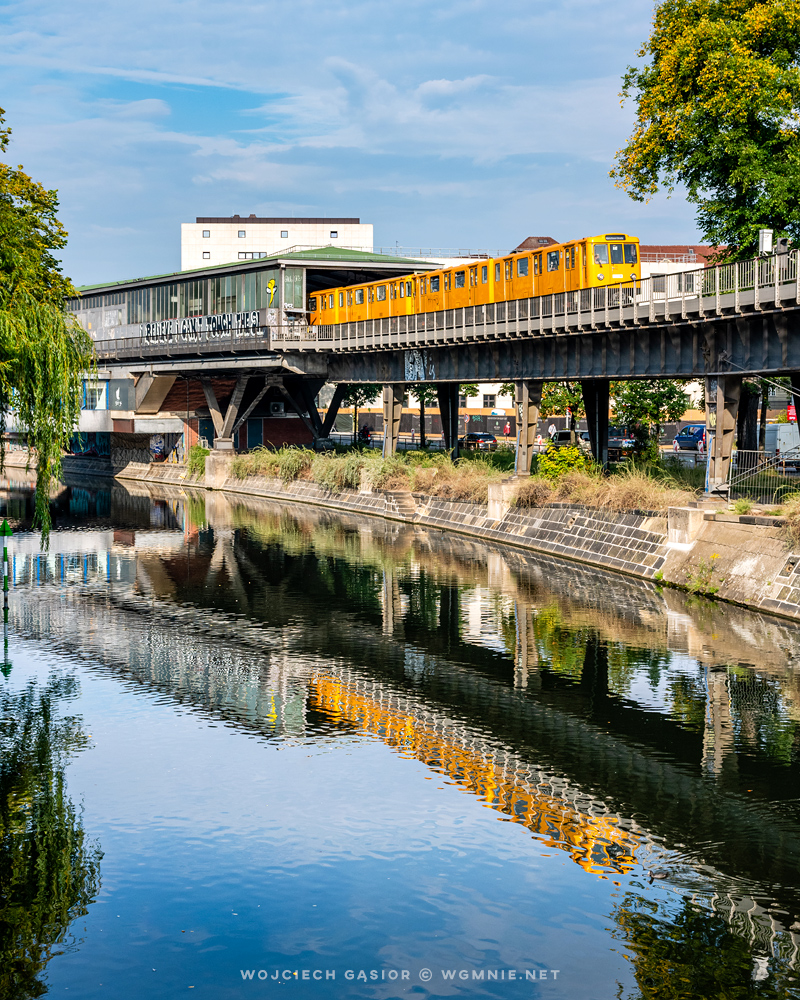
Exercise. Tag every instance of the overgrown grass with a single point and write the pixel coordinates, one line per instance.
(286, 464)
(631, 489)
(196, 465)
(791, 511)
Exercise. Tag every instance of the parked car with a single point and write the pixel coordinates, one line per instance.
(691, 438)
(563, 439)
(480, 440)
(620, 443)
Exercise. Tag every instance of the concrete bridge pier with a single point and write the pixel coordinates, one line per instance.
(392, 411)
(528, 400)
(722, 408)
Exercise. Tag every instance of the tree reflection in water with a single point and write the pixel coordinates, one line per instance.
(693, 953)
(49, 873)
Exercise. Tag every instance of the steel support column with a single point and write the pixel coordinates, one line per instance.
(392, 411)
(596, 401)
(528, 400)
(447, 394)
(722, 408)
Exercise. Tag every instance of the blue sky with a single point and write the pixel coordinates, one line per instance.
(473, 123)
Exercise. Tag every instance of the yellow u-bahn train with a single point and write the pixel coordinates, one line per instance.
(558, 267)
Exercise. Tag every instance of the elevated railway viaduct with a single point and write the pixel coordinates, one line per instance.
(719, 324)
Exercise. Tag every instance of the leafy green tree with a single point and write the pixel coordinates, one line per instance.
(718, 111)
(359, 395)
(560, 397)
(426, 396)
(645, 405)
(44, 354)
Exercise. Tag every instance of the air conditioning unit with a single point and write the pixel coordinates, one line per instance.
(276, 409)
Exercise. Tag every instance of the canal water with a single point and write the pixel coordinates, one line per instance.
(249, 747)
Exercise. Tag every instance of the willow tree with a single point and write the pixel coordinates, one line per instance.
(44, 354)
(717, 101)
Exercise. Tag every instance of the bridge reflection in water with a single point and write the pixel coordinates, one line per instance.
(633, 729)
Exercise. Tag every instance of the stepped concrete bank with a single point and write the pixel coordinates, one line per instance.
(743, 559)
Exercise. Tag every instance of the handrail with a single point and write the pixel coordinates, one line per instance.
(757, 284)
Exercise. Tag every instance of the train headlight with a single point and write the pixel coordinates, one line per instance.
(600, 277)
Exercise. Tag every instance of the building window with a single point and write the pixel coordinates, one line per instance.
(242, 233)
(334, 234)
(284, 234)
(462, 402)
(206, 234)
(94, 396)
(206, 255)
(489, 400)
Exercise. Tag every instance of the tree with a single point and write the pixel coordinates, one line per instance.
(359, 395)
(563, 398)
(718, 111)
(44, 354)
(426, 396)
(645, 405)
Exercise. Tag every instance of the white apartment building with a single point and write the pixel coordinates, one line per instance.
(209, 241)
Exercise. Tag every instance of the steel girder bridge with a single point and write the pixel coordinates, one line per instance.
(719, 323)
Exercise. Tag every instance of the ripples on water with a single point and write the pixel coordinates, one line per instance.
(239, 738)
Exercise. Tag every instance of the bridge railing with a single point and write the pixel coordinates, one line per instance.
(751, 285)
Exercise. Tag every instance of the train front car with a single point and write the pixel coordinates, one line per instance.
(612, 258)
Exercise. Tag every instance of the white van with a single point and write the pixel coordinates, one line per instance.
(782, 438)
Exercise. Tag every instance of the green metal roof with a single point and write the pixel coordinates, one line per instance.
(325, 254)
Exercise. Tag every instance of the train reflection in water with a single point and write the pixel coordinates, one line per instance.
(632, 729)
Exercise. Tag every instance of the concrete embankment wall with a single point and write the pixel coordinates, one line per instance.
(744, 559)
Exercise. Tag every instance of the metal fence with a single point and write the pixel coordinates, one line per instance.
(763, 477)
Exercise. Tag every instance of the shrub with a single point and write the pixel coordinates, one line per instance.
(743, 505)
(196, 466)
(555, 462)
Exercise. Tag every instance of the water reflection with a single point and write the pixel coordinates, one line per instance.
(649, 737)
(49, 873)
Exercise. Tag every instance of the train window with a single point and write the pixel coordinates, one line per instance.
(522, 267)
(341, 300)
(497, 272)
(600, 254)
(380, 293)
(630, 253)
(447, 279)
(537, 263)
(473, 277)
(616, 253)
(408, 288)
(460, 276)
(435, 283)
(402, 289)
(421, 286)
(359, 296)
(484, 274)
(572, 257)
(553, 259)
(312, 304)
(330, 300)
(349, 298)
(370, 295)
(509, 270)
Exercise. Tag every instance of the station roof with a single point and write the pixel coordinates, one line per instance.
(328, 267)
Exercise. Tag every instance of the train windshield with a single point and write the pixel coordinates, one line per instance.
(616, 253)
(601, 254)
(630, 253)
